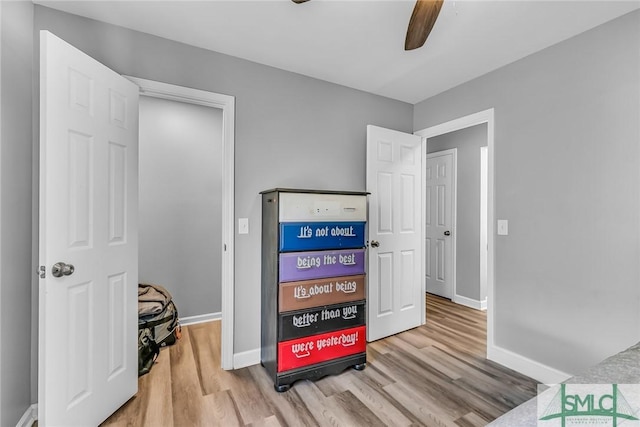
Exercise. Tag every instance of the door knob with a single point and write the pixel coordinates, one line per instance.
(447, 233)
(60, 269)
(375, 243)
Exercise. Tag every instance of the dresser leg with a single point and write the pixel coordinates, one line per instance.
(359, 366)
(282, 388)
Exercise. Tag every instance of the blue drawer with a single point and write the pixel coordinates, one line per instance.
(303, 236)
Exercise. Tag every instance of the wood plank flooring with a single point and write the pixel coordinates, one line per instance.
(434, 375)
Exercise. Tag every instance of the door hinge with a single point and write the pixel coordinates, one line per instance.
(41, 271)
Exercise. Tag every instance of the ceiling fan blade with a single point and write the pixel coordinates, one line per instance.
(424, 16)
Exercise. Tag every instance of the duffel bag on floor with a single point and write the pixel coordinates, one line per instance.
(165, 326)
(148, 351)
(152, 299)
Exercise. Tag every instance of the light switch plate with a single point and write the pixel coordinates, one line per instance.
(503, 227)
(243, 225)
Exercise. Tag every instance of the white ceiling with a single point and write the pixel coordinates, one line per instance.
(360, 44)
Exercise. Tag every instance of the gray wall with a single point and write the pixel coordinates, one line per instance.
(567, 162)
(291, 130)
(468, 142)
(181, 202)
(15, 209)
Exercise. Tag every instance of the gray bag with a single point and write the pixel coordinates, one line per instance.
(148, 351)
(158, 313)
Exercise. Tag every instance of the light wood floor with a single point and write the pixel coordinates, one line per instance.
(434, 375)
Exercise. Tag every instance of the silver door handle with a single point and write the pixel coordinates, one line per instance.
(60, 269)
(447, 233)
(375, 243)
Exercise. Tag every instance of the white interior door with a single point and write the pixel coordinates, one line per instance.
(395, 292)
(88, 220)
(439, 223)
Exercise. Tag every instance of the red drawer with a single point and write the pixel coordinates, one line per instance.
(321, 348)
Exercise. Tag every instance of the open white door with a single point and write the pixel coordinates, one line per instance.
(395, 289)
(88, 237)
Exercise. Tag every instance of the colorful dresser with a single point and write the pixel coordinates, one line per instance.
(313, 283)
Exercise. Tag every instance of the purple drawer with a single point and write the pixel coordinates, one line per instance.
(314, 265)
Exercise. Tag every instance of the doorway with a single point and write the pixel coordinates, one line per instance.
(486, 116)
(180, 204)
(226, 104)
(460, 218)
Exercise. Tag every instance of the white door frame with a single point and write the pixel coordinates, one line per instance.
(486, 116)
(227, 104)
(454, 212)
(1, 267)
(484, 156)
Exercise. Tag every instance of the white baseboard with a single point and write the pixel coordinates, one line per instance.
(470, 302)
(29, 417)
(201, 318)
(531, 368)
(246, 358)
